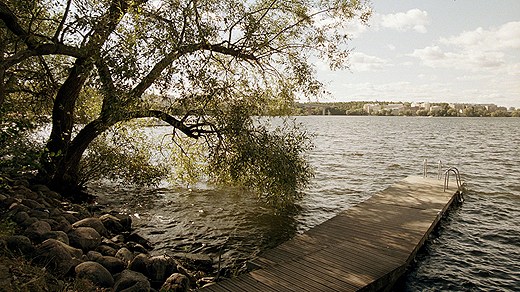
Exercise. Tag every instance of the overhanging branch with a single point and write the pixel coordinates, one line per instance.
(193, 131)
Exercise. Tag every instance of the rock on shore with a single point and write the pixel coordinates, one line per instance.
(74, 245)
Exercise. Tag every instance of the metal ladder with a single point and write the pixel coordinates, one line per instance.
(446, 174)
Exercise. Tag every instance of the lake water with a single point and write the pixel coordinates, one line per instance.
(476, 247)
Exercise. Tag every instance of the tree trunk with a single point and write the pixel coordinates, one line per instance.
(66, 176)
(63, 119)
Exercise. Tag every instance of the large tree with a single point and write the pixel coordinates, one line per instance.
(205, 67)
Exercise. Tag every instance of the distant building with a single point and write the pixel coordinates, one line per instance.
(395, 108)
(372, 108)
(435, 108)
(491, 107)
(457, 106)
(425, 106)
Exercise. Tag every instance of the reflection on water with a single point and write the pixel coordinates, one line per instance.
(477, 246)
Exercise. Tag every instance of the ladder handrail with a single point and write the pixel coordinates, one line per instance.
(447, 177)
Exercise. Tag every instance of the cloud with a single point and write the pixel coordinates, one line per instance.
(363, 62)
(474, 50)
(414, 19)
(506, 36)
(435, 57)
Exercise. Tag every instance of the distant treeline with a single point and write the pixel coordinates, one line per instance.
(363, 108)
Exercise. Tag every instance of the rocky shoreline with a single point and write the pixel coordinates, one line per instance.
(72, 248)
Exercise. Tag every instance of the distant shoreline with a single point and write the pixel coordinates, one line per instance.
(363, 108)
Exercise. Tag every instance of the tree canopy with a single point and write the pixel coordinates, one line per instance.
(204, 67)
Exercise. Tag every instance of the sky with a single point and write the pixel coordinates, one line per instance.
(455, 51)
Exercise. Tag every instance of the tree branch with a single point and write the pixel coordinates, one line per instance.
(42, 50)
(156, 71)
(62, 22)
(106, 77)
(193, 131)
(11, 22)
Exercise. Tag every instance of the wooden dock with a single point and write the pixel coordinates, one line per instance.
(365, 248)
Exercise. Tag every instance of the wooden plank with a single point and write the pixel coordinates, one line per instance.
(216, 287)
(275, 281)
(305, 279)
(363, 248)
(323, 272)
(251, 284)
(270, 278)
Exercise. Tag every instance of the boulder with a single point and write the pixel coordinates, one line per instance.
(59, 235)
(24, 192)
(125, 220)
(134, 237)
(51, 222)
(112, 264)
(40, 214)
(136, 247)
(54, 256)
(47, 203)
(32, 204)
(112, 244)
(8, 201)
(21, 182)
(93, 223)
(159, 268)
(93, 255)
(176, 283)
(20, 217)
(70, 216)
(19, 207)
(36, 231)
(40, 188)
(20, 245)
(125, 255)
(63, 224)
(85, 238)
(59, 223)
(112, 223)
(196, 260)
(95, 273)
(131, 281)
(48, 194)
(107, 250)
(118, 239)
(28, 222)
(139, 263)
(74, 252)
(80, 211)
